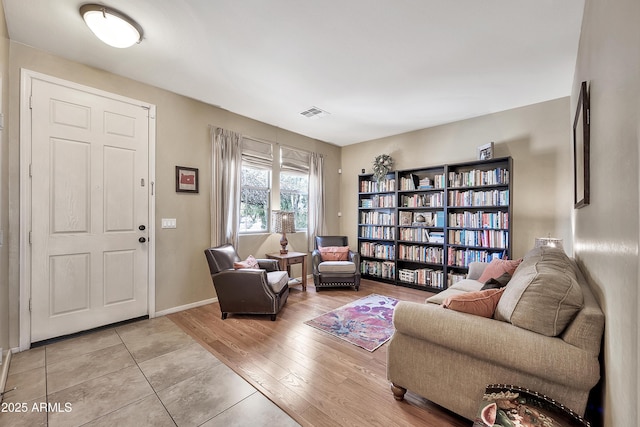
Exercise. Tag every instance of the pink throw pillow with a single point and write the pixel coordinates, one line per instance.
(497, 267)
(479, 303)
(250, 262)
(334, 253)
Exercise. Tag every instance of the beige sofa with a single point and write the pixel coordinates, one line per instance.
(449, 357)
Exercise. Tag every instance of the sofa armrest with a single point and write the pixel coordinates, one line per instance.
(354, 257)
(497, 342)
(247, 282)
(316, 259)
(268, 264)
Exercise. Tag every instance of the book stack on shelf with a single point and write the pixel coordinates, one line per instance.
(378, 250)
(374, 186)
(377, 232)
(422, 276)
(379, 201)
(425, 233)
(382, 269)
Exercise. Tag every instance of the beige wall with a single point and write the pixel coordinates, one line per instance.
(182, 128)
(536, 136)
(606, 232)
(4, 186)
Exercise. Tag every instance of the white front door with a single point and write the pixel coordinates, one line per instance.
(89, 209)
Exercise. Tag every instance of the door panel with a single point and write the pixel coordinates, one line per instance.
(89, 196)
(70, 197)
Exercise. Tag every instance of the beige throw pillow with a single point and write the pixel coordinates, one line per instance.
(543, 295)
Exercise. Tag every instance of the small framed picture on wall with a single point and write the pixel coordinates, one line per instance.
(485, 152)
(186, 179)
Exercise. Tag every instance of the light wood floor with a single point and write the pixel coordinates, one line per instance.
(318, 379)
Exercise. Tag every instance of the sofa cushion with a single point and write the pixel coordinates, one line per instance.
(461, 287)
(337, 267)
(479, 303)
(496, 283)
(277, 280)
(334, 253)
(250, 262)
(497, 267)
(543, 295)
(476, 269)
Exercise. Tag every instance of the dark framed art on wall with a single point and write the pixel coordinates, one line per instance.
(186, 179)
(581, 144)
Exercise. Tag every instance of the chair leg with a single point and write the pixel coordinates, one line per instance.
(398, 392)
(273, 317)
(224, 315)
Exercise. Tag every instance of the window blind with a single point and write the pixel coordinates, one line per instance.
(294, 160)
(257, 153)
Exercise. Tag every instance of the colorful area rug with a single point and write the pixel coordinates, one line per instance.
(365, 322)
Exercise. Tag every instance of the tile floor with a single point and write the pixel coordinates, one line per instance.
(147, 373)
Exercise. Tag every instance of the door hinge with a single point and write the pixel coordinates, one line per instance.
(30, 237)
(30, 102)
(29, 304)
(30, 170)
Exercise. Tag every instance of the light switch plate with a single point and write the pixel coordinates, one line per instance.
(169, 223)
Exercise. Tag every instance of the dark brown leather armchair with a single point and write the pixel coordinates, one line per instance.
(261, 290)
(335, 273)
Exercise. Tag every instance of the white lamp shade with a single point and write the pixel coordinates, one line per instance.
(549, 241)
(110, 26)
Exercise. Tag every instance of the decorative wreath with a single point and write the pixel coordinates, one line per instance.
(381, 166)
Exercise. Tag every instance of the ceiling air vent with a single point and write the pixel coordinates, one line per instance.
(314, 113)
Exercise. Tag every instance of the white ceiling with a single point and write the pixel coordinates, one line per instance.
(379, 67)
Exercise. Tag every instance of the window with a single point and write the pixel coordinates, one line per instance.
(294, 184)
(294, 196)
(254, 200)
(257, 161)
(257, 178)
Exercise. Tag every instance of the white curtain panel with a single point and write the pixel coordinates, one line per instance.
(316, 224)
(226, 167)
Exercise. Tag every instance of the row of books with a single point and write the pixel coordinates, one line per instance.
(421, 235)
(479, 198)
(377, 232)
(463, 257)
(476, 177)
(422, 219)
(430, 254)
(428, 200)
(378, 250)
(384, 201)
(383, 269)
(454, 278)
(415, 182)
(378, 186)
(377, 218)
(422, 276)
(479, 219)
(483, 238)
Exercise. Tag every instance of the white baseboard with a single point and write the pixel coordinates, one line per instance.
(6, 361)
(185, 307)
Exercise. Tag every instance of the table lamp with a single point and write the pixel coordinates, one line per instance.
(283, 222)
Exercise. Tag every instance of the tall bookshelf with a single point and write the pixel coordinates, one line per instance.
(377, 229)
(422, 227)
(478, 214)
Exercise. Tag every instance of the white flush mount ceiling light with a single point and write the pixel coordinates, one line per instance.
(112, 27)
